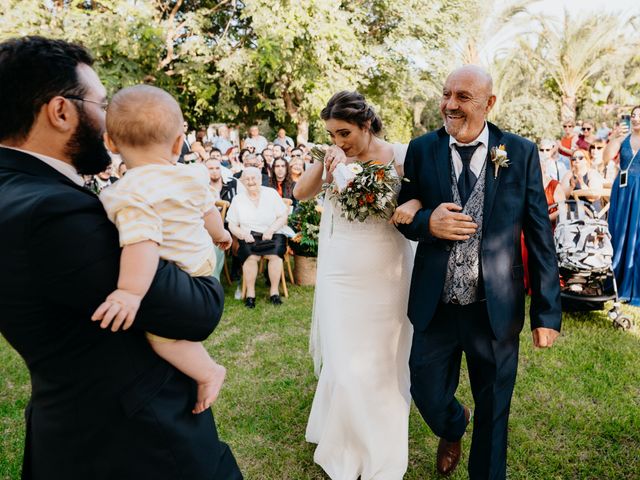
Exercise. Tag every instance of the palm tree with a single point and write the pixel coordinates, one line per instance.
(502, 23)
(576, 52)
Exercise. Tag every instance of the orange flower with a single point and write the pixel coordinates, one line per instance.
(370, 197)
(360, 202)
(380, 175)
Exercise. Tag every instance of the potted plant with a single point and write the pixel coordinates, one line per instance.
(305, 221)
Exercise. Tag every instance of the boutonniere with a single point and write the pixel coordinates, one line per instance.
(499, 159)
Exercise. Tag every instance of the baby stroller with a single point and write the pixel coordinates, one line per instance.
(584, 250)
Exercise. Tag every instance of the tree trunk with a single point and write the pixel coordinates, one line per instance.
(568, 109)
(303, 130)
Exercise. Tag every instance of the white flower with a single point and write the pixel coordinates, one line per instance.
(499, 158)
(355, 168)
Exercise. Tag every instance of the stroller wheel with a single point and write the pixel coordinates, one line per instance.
(614, 313)
(622, 322)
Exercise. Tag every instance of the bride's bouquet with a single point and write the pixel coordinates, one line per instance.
(363, 189)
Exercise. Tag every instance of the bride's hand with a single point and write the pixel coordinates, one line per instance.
(333, 156)
(405, 213)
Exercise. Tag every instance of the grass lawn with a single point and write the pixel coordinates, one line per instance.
(575, 413)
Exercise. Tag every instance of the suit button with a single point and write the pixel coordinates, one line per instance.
(447, 248)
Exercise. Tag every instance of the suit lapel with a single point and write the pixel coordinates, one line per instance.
(491, 182)
(442, 155)
(23, 162)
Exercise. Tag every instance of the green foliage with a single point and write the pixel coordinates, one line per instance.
(305, 221)
(575, 412)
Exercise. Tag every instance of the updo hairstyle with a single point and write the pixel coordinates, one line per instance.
(353, 108)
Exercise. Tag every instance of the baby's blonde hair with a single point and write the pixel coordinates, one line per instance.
(143, 115)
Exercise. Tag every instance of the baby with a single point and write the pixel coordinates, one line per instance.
(162, 210)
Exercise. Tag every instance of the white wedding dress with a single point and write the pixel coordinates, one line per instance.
(360, 340)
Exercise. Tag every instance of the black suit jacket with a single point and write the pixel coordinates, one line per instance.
(103, 405)
(514, 202)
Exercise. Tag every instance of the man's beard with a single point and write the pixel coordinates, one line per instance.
(86, 148)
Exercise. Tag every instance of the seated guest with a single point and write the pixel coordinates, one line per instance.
(223, 140)
(587, 137)
(257, 217)
(554, 194)
(567, 142)
(582, 176)
(278, 151)
(267, 156)
(296, 165)
(102, 180)
(122, 169)
(609, 169)
(281, 180)
(252, 160)
(555, 164)
(255, 141)
(282, 139)
(223, 188)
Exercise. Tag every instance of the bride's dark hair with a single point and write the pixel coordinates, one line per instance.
(353, 108)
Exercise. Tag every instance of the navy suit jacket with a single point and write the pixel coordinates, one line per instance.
(103, 405)
(514, 202)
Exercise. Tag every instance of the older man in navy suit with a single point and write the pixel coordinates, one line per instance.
(479, 188)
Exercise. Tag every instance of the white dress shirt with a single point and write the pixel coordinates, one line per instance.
(479, 156)
(64, 168)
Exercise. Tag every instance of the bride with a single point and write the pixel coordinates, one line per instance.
(361, 336)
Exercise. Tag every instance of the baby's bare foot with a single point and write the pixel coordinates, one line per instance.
(208, 390)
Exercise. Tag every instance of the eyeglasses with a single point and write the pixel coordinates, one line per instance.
(577, 158)
(103, 105)
(586, 129)
(545, 149)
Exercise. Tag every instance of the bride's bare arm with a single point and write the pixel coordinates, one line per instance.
(405, 213)
(310, 184)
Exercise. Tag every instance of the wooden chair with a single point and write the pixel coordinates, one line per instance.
(287, 256)
(223, 206)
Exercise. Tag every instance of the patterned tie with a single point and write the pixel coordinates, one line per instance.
(467, 178)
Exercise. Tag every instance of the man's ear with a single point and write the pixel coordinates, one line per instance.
(176, 148)
(62, 116)
(108, 141)
(490, 103)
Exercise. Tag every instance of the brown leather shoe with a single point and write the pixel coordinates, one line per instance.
(449, 452)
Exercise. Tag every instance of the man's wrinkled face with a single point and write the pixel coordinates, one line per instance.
(86, 147)
(466, 101)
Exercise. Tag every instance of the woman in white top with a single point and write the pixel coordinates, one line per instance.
(257, 217)
(361, 336)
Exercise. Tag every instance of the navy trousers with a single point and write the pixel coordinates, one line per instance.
(435, 360)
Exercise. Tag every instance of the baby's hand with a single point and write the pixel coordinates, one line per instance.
(118, 310)
(223, 242)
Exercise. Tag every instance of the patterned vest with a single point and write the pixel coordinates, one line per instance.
(462, 282)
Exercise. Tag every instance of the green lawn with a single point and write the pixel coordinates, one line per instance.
(575, 413)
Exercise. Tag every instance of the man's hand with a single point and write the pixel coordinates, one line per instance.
(118, 310)
(406, 212)
(544, 337)
(447, 224)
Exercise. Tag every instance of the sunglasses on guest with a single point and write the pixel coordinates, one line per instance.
(568, 125)
(545, 149)
(586, 129)
(596, 148)
(577, 158)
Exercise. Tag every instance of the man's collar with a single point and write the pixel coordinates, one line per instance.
(483, 138)
(62, 167)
